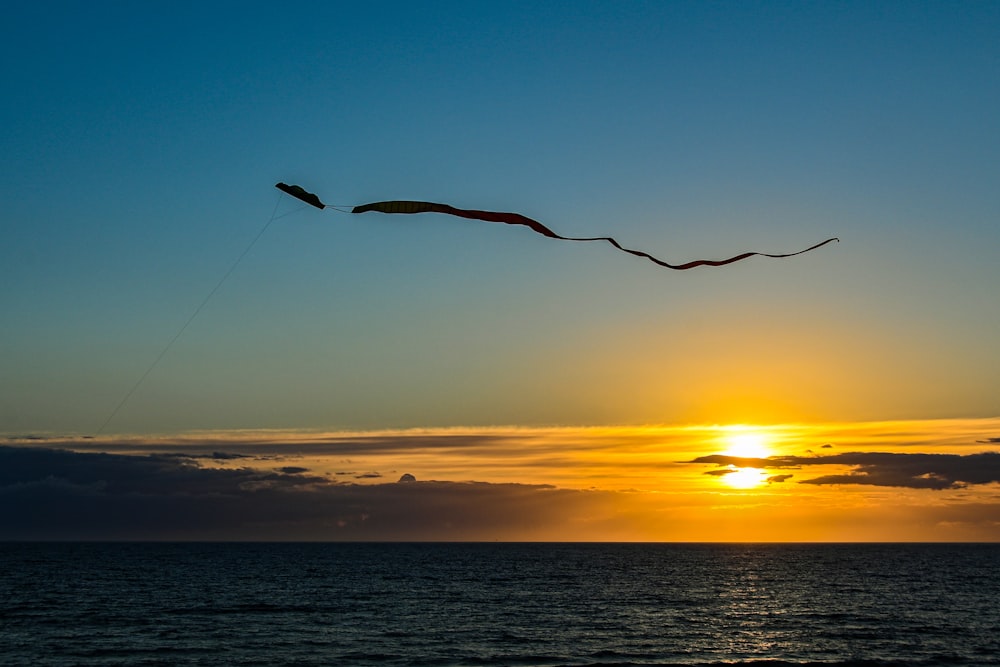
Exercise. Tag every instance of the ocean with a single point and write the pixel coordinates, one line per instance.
(499, 604)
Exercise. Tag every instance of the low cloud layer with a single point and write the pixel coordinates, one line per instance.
(53, 494)
(915, 471)
(544, 484)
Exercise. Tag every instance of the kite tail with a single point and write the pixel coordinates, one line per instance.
(534, 225)
(697, 262)
(518, 219)
(470, 214)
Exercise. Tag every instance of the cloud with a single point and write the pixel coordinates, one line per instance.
(48, 494)
(778, 478)
(227, 456)
(915, 471)
(236, 443)
(752, 462)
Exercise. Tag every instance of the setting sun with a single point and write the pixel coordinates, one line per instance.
(750, 445)
(747, 445)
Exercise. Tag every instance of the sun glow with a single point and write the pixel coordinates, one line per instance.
(748, 445)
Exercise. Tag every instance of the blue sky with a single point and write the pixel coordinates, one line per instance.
(140, 144)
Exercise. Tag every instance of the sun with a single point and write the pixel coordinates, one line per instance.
(747, 445)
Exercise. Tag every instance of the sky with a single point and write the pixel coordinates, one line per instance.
(167, 310)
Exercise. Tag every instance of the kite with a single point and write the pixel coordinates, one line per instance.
(299, 193)
(410, 207)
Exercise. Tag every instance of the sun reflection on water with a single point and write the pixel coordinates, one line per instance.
(745, 478)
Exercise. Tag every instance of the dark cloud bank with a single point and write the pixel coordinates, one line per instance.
(915, 471)
(48, 494)
(57, 494)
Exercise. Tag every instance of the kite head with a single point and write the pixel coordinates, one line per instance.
(300, 194)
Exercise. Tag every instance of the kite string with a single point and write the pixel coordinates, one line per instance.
(191, 319)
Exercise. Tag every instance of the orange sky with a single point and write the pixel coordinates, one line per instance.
(628, 483)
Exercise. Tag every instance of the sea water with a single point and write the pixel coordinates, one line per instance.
(499, 604)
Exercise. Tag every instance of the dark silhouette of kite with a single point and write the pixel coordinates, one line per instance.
(299, 193)
(518, 219)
